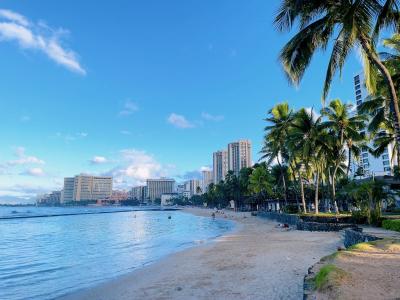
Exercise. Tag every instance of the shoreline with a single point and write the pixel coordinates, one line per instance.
(255, 260)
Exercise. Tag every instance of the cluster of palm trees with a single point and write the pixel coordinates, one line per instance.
(314, 147)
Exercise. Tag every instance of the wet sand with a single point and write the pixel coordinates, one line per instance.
(255, 261)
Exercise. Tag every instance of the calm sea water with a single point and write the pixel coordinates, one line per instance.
(43, 258)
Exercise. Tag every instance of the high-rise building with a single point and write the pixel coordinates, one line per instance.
(367, 163)
(68, 191)
(86, 188)
(207, 179)
(193, 186)
(54, 198)
(239, 156)
(157, 187)
(138, 193)
(220, 165)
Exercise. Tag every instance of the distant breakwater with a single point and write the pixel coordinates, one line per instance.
(84, 213)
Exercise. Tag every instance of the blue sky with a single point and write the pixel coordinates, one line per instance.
(138, 88)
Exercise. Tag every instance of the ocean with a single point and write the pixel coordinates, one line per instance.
(47, 257)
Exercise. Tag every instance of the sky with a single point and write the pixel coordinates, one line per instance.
(139, 89)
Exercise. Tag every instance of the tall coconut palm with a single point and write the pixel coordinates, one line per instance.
(345, 127)
(345, 130)
(302, 141)
(347, 23)
(259, 181)
(280, 118)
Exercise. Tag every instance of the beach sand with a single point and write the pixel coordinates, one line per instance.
(255, 261)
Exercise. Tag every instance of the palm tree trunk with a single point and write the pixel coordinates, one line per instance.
(303, 200)
(316, 193)
(334, 190)
(349, 163)
(373, 57)
(283, 182)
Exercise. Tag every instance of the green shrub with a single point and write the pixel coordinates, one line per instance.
(359, 217)
(391, 225)
(291, 209)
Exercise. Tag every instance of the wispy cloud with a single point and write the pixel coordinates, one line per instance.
(210, 117)
(35, 172)
(68, 137)
(135, 166)
(125, 132)
(23, 159)
(179, 121)
(40, 37)
(25, 118)
(129, 108)
(97, 160)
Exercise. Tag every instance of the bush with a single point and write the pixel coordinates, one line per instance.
(391, 225)
(359, 217)
(291, 209)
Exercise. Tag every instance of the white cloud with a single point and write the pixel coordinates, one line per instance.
(125, 132)
(179, 121)
(16, 27)
(210, 117)
(24, 159)
(13, 16)
(25, 119)
(67, 137)
(135, 166)
(205, 168)
(35, 172)
(96, 160)
(129, 108)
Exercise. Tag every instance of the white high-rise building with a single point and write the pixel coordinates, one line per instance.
(220, 165)
(139, 193)
(193, 187)
(207, 179)
(239, 156)
(86, 188)
(378, 166)
(68, 191)
(157, 187)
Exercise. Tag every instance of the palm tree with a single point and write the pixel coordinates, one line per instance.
(260, 181)
(346, 128)
(356, 22)
(302, 140)
(280, 118)
(346, 131)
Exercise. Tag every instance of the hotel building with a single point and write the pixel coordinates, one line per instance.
(157, 187)
(138, 193)
(239, 156)
(378, 166)
(220, 165)
(207, 179)
(86, 188)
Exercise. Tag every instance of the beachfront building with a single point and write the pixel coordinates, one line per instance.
(54, 198)
(157, 187)
(207, 179)
(239, 156)
(68, 191)
(86, 188)
(220, 165)
(138, 193)
(168, 199)
(367, 164)
(193, 187)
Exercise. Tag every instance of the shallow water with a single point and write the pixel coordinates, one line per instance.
(43, 258)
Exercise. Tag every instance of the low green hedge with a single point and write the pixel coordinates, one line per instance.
(391, 225)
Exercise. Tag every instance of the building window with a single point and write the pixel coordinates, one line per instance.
(387, 169)
(386, 163)
(358, 86)
(365, 160)
(358, 92)
(385, 156)
(359, 102)
(358, 97)
(366, 166)
(364, 155)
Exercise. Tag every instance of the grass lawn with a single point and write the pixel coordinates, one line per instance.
(325, 214)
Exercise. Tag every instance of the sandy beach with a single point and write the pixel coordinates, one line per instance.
(255, 261)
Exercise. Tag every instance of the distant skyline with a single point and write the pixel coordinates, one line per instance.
(139, 89)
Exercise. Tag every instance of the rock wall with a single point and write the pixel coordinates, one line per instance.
(352, 237)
